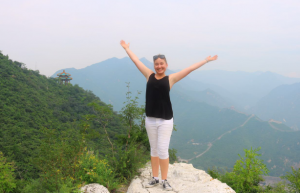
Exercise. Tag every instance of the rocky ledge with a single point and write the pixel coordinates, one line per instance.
(183, 178)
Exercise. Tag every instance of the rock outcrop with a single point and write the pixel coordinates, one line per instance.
(183, 178)
(94, 188)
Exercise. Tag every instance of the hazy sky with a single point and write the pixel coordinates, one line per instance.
(247, 35)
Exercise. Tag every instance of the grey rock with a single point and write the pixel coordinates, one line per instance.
(183, 178)
(94, 188)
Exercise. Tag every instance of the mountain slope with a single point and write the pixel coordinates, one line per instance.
(30, 102)
(245, 88)
(107, 79)
(279, 149)
(199, 124)
(208, 136)
(281, 104)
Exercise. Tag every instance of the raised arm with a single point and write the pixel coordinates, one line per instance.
(175, 77)
(144, 70)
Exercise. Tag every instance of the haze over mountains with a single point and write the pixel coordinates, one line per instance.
(213, 111)
(246, 88)
(243, 91)
(282, 104)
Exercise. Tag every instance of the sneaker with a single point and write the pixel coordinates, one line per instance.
(152, 183)
(166, 185)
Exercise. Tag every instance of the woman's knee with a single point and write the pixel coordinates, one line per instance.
(154, 152)
(163, 153)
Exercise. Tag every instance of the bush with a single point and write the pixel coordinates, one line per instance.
(294, 178)
(280, 187)
(131, 149)
(246, 173)
(214, 173)
(7, 179)
(91, 169)
(36, 186)
(172, 156)
(57, 158)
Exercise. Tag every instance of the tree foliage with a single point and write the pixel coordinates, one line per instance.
(246, 174)
(31, 103)
(61, 137)
(294, 179)
(7, 176)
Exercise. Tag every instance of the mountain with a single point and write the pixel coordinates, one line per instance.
(281, 104)
(245, 88)
(107, 79)
(30, 103)
(207, 124)
(208, 136)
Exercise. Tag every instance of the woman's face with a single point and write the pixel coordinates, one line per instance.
(160, 66)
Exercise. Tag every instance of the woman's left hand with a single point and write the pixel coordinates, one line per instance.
(209, 58)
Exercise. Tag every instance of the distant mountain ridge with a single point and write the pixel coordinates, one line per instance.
(246, 88)
(281, 104)
(201, 116)
(107, 80)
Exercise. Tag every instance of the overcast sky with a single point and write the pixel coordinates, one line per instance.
(247, 35)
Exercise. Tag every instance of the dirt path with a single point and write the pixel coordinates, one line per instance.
(210, 144)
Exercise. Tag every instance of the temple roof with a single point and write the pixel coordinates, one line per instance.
(63, 74)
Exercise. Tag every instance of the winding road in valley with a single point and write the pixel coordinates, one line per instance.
(210, 144)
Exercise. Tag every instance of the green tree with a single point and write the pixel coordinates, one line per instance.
(103, 115)
(246, 174)
(128, 151)
(294, 178)
(7, 179)
(59, 154)
(134, 147)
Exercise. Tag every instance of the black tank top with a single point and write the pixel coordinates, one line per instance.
(158, 103)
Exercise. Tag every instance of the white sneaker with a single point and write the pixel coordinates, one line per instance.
(166, 185)
(153, 182)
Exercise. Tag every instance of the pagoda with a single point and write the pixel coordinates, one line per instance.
(64, 78)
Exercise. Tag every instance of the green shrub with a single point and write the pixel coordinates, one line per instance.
(279, 187)
(246, 173)
(294, 178)
(7, 179)
(33, 185)
(57, 158)
(172, 156)
(37, 187)
(133, 149)
(128, 161)
(214, 173)
(91, 169)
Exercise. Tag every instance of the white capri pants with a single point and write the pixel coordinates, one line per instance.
(159, 133)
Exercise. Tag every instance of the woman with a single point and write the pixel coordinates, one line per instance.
(159, 113)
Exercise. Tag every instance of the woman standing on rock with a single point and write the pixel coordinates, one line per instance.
(159, 113)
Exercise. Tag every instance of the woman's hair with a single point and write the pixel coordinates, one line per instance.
(161, 56)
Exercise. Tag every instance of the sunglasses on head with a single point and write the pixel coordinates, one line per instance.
(159, 56)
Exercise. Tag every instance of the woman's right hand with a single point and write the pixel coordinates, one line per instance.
(124, 45)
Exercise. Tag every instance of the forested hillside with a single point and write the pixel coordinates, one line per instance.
(32, 105)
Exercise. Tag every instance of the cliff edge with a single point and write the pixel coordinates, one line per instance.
(183, 178)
